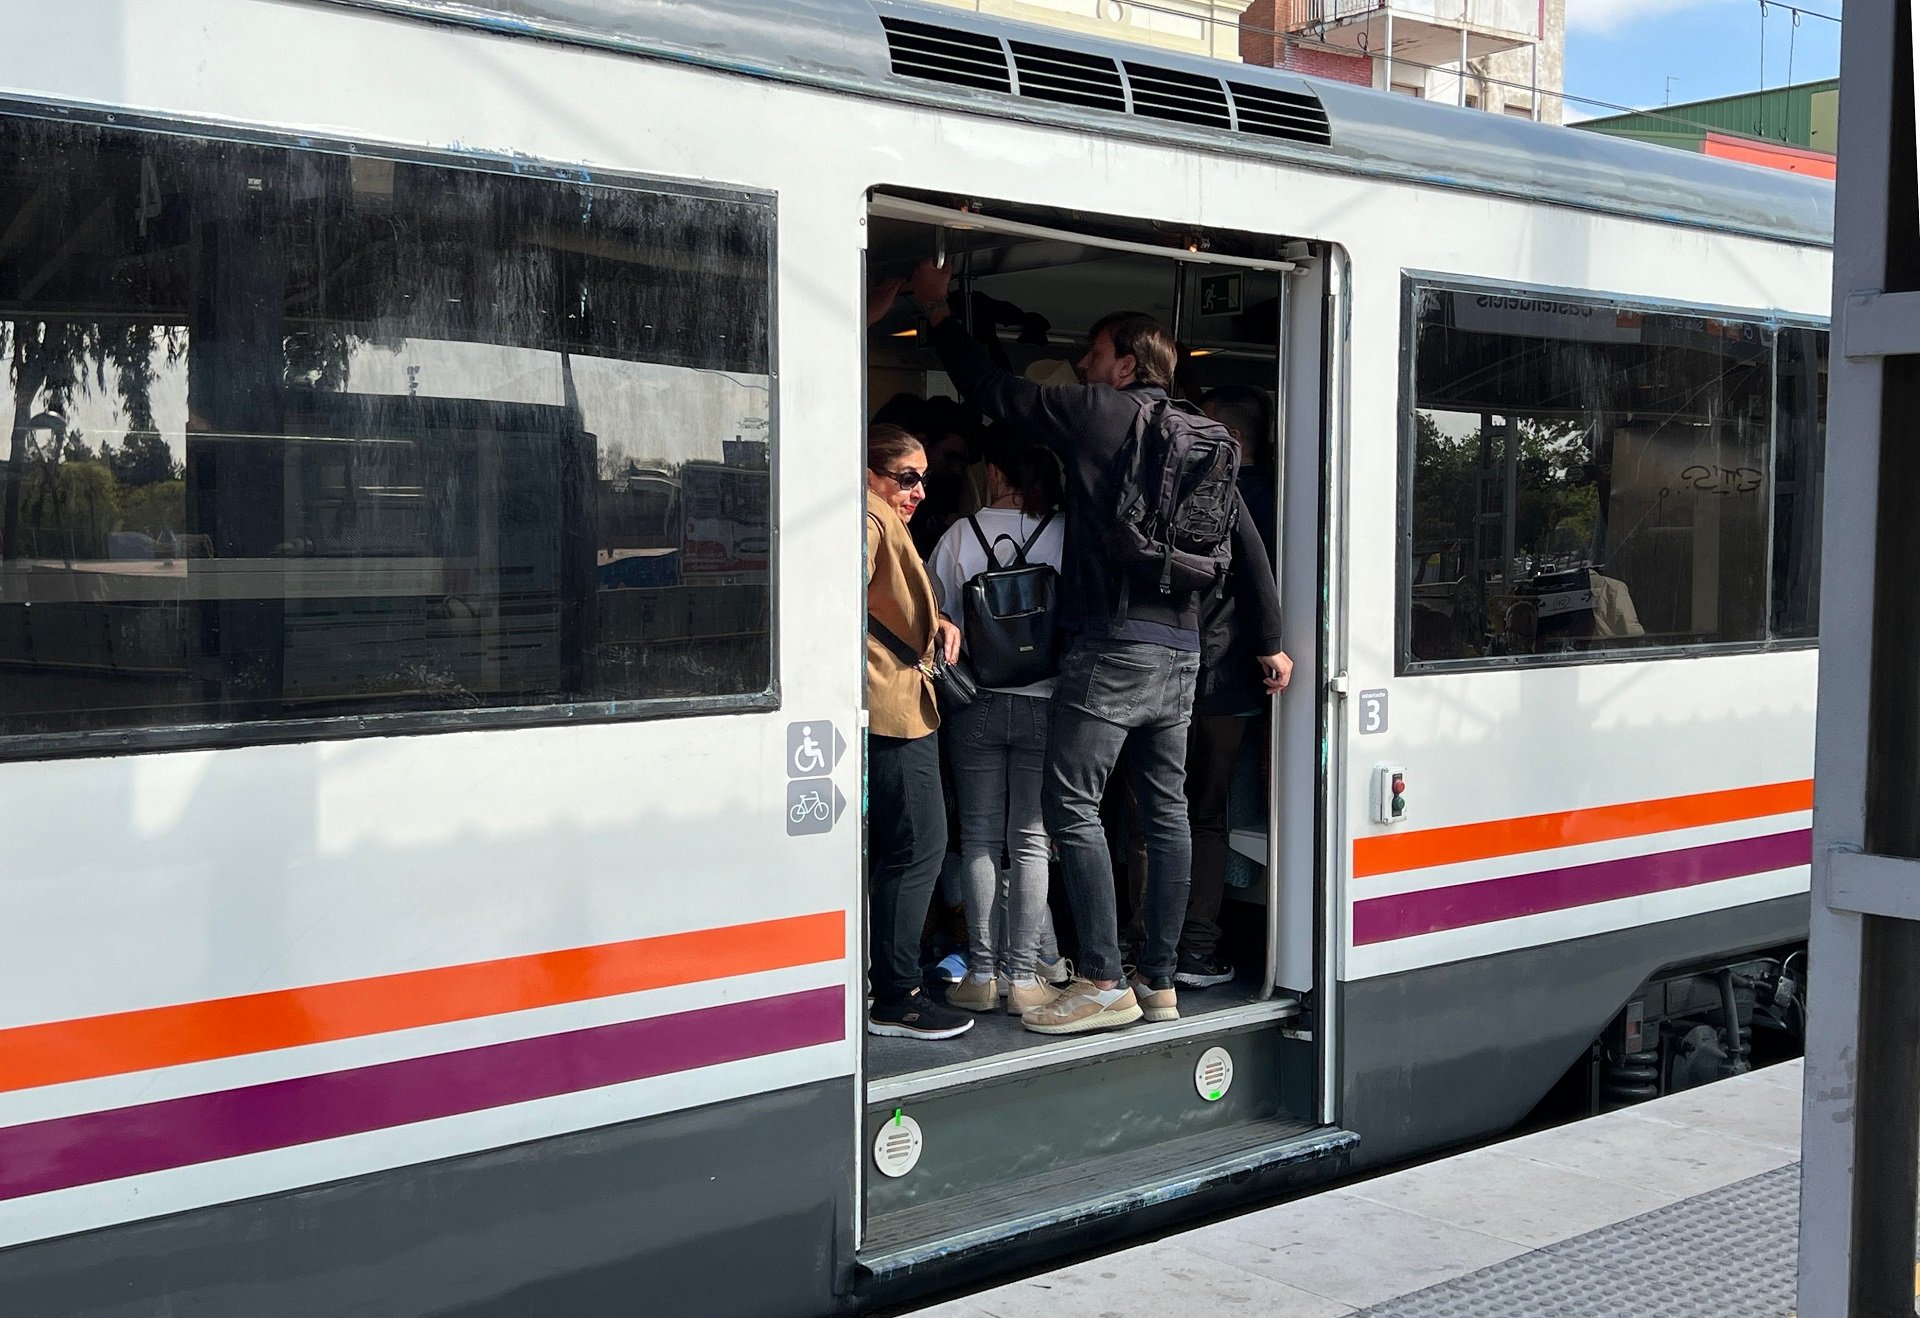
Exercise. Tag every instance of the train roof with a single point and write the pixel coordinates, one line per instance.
(931, 54)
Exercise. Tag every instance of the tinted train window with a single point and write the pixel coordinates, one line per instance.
(1590, 476)
(298, 434)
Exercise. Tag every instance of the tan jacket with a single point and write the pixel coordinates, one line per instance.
(900, 699)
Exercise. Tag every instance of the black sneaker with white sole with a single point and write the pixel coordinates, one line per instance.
(1202, 971)
(917, 1016)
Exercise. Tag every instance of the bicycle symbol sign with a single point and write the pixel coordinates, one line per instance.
(813, 805)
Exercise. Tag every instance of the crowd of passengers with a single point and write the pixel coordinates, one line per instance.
(1163, 686)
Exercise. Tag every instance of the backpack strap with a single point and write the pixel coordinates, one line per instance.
(981, 536)
(1035, 537)
(1019, 548)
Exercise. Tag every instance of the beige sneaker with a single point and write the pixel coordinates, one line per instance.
(1057, 973)
(972, 994)
(1157, 998)
(1023, 998)
(1083, 1008)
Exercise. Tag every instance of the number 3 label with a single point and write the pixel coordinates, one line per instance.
(1373, 711)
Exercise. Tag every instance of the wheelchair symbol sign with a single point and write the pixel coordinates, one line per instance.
(813, 748)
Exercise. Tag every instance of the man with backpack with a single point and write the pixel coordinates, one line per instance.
(1153, 519)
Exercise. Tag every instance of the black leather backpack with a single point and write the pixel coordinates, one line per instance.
(1008, 614)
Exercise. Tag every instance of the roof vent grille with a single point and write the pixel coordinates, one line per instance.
(1032, 71)
(1183, 98)
(1271, 112)
(1068, 77)
(950, 55)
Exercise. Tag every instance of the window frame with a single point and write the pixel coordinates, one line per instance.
(1412, 283)
(213, 735)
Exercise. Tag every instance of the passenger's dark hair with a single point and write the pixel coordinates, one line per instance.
(948, 416)
(903, 411)
(1033, 472)
(1141, 337)
(887, 444)
(932, 419)
(1248, 410)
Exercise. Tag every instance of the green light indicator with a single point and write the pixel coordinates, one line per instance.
(896, 1116)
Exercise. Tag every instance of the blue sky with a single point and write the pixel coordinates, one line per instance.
(1624, 50)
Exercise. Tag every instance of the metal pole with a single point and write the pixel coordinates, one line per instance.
(1275, 536)
(1860, 1129)
(1463, 57)
(1389, 65)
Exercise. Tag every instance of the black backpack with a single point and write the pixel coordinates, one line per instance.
(1173, 505)
(1008, 614)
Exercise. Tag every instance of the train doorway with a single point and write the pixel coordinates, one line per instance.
(963, 1139)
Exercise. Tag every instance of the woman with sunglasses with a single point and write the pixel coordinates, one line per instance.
(906, 816)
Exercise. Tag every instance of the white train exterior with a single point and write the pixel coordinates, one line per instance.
(486, 1005)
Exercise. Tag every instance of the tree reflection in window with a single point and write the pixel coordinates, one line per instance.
(299, 434)
(1591, 476)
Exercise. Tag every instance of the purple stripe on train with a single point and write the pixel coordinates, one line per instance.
(105, 1146)
(1383, 919)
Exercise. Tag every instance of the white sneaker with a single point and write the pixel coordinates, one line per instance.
(1084, 1007)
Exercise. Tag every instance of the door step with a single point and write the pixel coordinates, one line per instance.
(942, 1242)
(1023, 1162)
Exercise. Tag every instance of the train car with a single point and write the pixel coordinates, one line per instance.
(402, 913)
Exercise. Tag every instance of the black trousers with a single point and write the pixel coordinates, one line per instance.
(1213, 747)
(906, 839)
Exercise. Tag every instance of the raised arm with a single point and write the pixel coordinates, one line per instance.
(1054, 415)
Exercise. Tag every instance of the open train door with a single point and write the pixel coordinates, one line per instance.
(962, 1142)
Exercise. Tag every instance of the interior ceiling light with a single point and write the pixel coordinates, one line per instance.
(906, 334)
(1199, 352)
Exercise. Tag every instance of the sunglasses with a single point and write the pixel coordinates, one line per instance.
(906, 480)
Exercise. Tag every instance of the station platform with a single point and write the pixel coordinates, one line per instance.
(1685, 1207)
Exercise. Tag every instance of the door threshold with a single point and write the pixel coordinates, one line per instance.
(958, 1075)
(1150, 1190)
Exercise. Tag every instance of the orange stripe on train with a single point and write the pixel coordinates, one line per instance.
(1392, 853)
(63, 1051)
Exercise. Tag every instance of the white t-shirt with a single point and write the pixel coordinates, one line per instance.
(958, 558)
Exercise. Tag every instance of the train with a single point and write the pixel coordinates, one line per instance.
(417, 899)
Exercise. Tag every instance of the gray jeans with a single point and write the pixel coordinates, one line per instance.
(1136, 697)
(998, 745)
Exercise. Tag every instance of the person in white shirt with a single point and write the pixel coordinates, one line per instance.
(998, 746)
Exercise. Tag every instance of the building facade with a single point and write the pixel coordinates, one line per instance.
(1792, 128)
(1506, 56)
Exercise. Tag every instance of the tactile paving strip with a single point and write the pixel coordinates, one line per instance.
(1725, 1254)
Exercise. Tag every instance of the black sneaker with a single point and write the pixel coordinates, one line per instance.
(1202, 971)
(917, 1016)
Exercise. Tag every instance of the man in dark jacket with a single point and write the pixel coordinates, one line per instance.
(1127, 679)
(1229, 700)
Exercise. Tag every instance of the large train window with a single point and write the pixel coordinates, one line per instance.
(1588, 476)
(300, 435)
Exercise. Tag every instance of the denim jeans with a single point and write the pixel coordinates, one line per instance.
(906, 838)
(1114, 696)
(998, 745)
